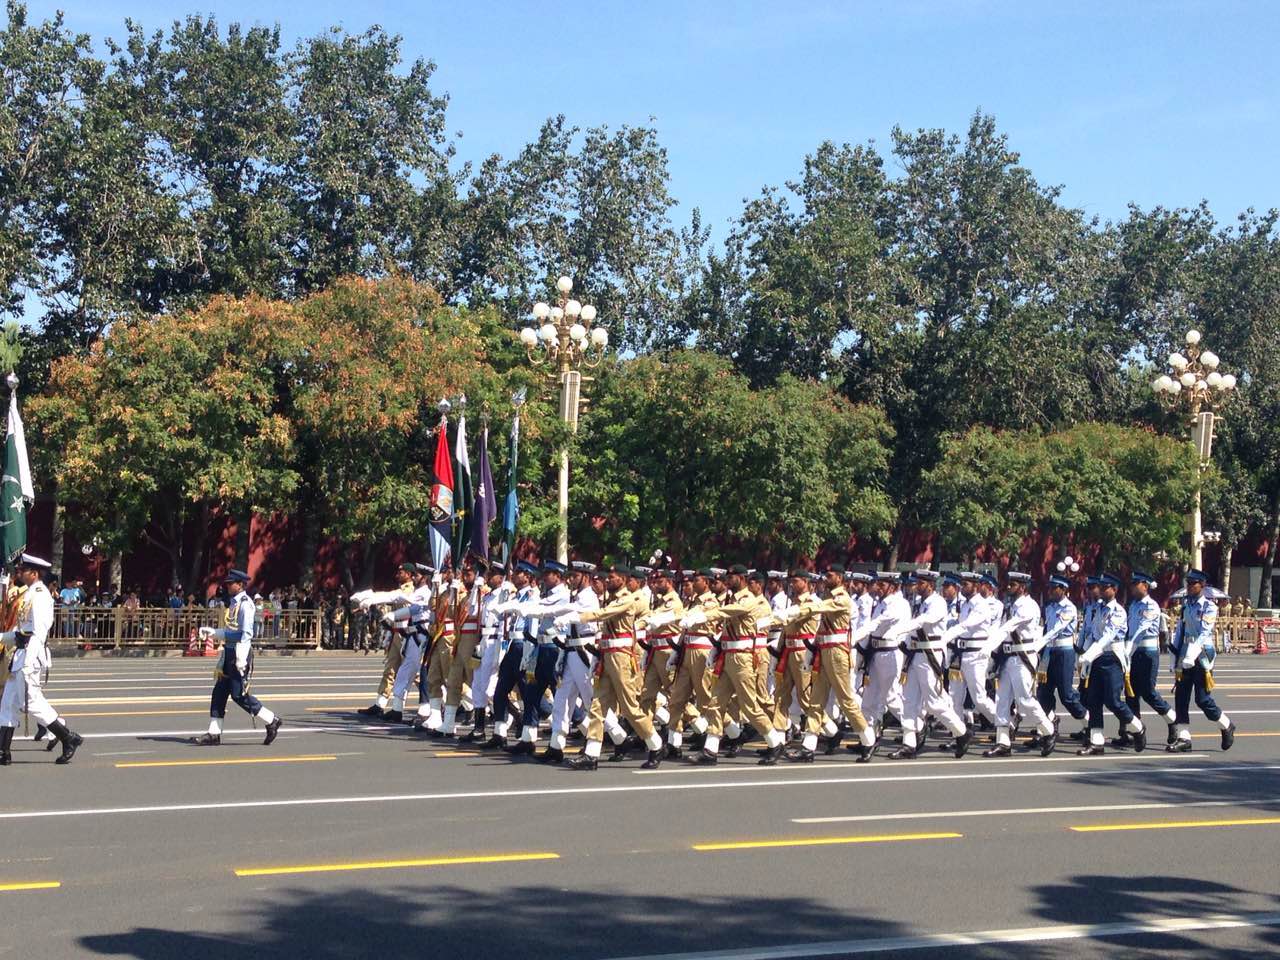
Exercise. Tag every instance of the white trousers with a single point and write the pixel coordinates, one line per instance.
(25, 689)
(574, 685)
(973, 679)
(485, 679)
(883, 691)
(923, 696)
(409, 668)
(1015, 685)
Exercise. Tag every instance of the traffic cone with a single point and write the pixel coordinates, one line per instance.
(1262, 641)
(193, 645)
(210, 649)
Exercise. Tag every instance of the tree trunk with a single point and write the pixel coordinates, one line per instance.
(894, 549)
(1224, 573)
(1269, 561)
(366, 565)
(196, 560)
(244, 527)
(310, 545)
(344, 569)
(115, 575)
(59, 543)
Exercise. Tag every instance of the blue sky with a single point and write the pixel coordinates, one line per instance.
(1155, 103)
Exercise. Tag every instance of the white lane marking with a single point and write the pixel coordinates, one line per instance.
(587, 791)
(1031, 811)
(938, 941)
(199, 678)
(293, 731)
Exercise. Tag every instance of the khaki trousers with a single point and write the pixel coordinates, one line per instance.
(438, 667)
(795, 679)
(657, 679)
(691, 689)
(737, 682)
(615, 689)
(833, 677)
(391, 665)
(461, 668)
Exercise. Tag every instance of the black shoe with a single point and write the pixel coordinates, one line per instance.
(771, 756)
(272, 729)
(1090, 750)
(801, 754)
(704, 758)
(999, 750)
(1035, 740)
(521, 748)
(674, 753)
(865, 754)
(41, 732)
(370, 711)
(1048, 743)
(1140, 740)
(1229, 735)
(6, 740)
(393, 716)
(438, 733)
(575, 736)
(948, 746)
(1124, 740)
(1173, 734)
(462, 717)
(1179, 746)
(582, 763)
(208, 740)
(653, 761)
(731, 748)
(903, 753)
(494, 743)
(551, 755)
(419, 723)
(70, 741)
(833, 743)
(619, 753)
(960, 745)
(1081, 735)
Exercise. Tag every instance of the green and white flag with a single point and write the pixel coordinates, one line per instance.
(16, 492)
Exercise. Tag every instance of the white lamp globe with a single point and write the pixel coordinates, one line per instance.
(528, 336)
(564, 284)
(1214, 380)
(588, 312)
(572, 308)
(1061, 566)
(600, 337)
(557, 314)
(1209, 359)
(1075, 568)
(1068, 560)
(1188, 379)
(1228, 381)
(541, 310)
(1178, 362)
(547, 333)
(1175, 386)
(1201, 385)
(1193, 337)
(577, 333)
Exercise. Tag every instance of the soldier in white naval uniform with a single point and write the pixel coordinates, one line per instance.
(1015, 645)
(30, 661)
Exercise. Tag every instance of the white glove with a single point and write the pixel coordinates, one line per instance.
(203, 631)
(389, 619)
(693, 618)
(502, 609)
(8, 635)
(784, 617)
(436, 579)
(567, 618)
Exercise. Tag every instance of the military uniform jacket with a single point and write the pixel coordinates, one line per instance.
(1060, 623)
(617, 619)
(1144, 624)
(745, 618)
(802, 627)
(835, 612)
(1193, 639)
(662, 622)
(890, 614)
(35, 620)
(1110, 633)
(700, 638)
(1021, 631)
(237, 630)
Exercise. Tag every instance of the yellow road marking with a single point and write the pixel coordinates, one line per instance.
(142, 713)
(458, 753)
(823, 841)
(1249, 733)
(393, 864)
(39, 885)
(1173, 825)
(218, 763)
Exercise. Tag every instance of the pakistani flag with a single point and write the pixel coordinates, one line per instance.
(15, 487)
(462, 495)
(441, 525)
(510, 508)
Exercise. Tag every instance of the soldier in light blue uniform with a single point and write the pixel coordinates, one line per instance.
(1088, 613)
(1193, 656)
(509, 672)
(1144, 653)
(1105, 665)
(1056, 670)
(541, 654)
(235, 663)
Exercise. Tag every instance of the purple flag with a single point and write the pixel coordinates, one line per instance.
(485, 510)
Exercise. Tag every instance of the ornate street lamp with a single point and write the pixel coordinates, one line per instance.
(565, 341)
(1196, 387)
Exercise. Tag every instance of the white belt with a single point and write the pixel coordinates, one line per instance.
(623, 643)
(972, 645)
(880, 643)
(796, 645)
(577, 643)
(1018, 648)
(731, 645)
(932, 646)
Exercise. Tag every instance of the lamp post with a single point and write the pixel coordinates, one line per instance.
(1195, 386)
(565, 341)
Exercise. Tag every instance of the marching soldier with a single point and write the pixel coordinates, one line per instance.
(923, 693)
(1105, 671)
(662, 628)
(882, 689)
(743, 618)
(979, 614)
(1193, 655)
(395, 651)
(542, 652)
(492, 646)
(409, 622)
(437, 653)
(574, 684)
(1056, 671)
(235, 664)
(465, 657)
(1145, 617)
(615, 684)
(509, 672)
(692, 684)
(793, 678)
(830, 676)
(1013, 644)
(30, 663)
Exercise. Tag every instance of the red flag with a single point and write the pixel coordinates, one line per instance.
(441, 499)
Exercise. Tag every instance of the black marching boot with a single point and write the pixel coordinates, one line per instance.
(6, 740)
(70, 741)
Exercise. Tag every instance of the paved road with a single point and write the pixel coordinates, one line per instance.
(353, 840)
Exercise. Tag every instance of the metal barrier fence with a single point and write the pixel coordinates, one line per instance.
(116, 628)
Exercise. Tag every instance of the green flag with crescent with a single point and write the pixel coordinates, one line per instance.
(16, 492)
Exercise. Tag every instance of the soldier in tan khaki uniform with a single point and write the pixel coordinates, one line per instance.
(747, 615)
(692, 685)
(615, 686)
(793, 676)
(463, 665)
(662, 628)
(831, 667)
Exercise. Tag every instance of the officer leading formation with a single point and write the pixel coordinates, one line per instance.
(666, 664)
